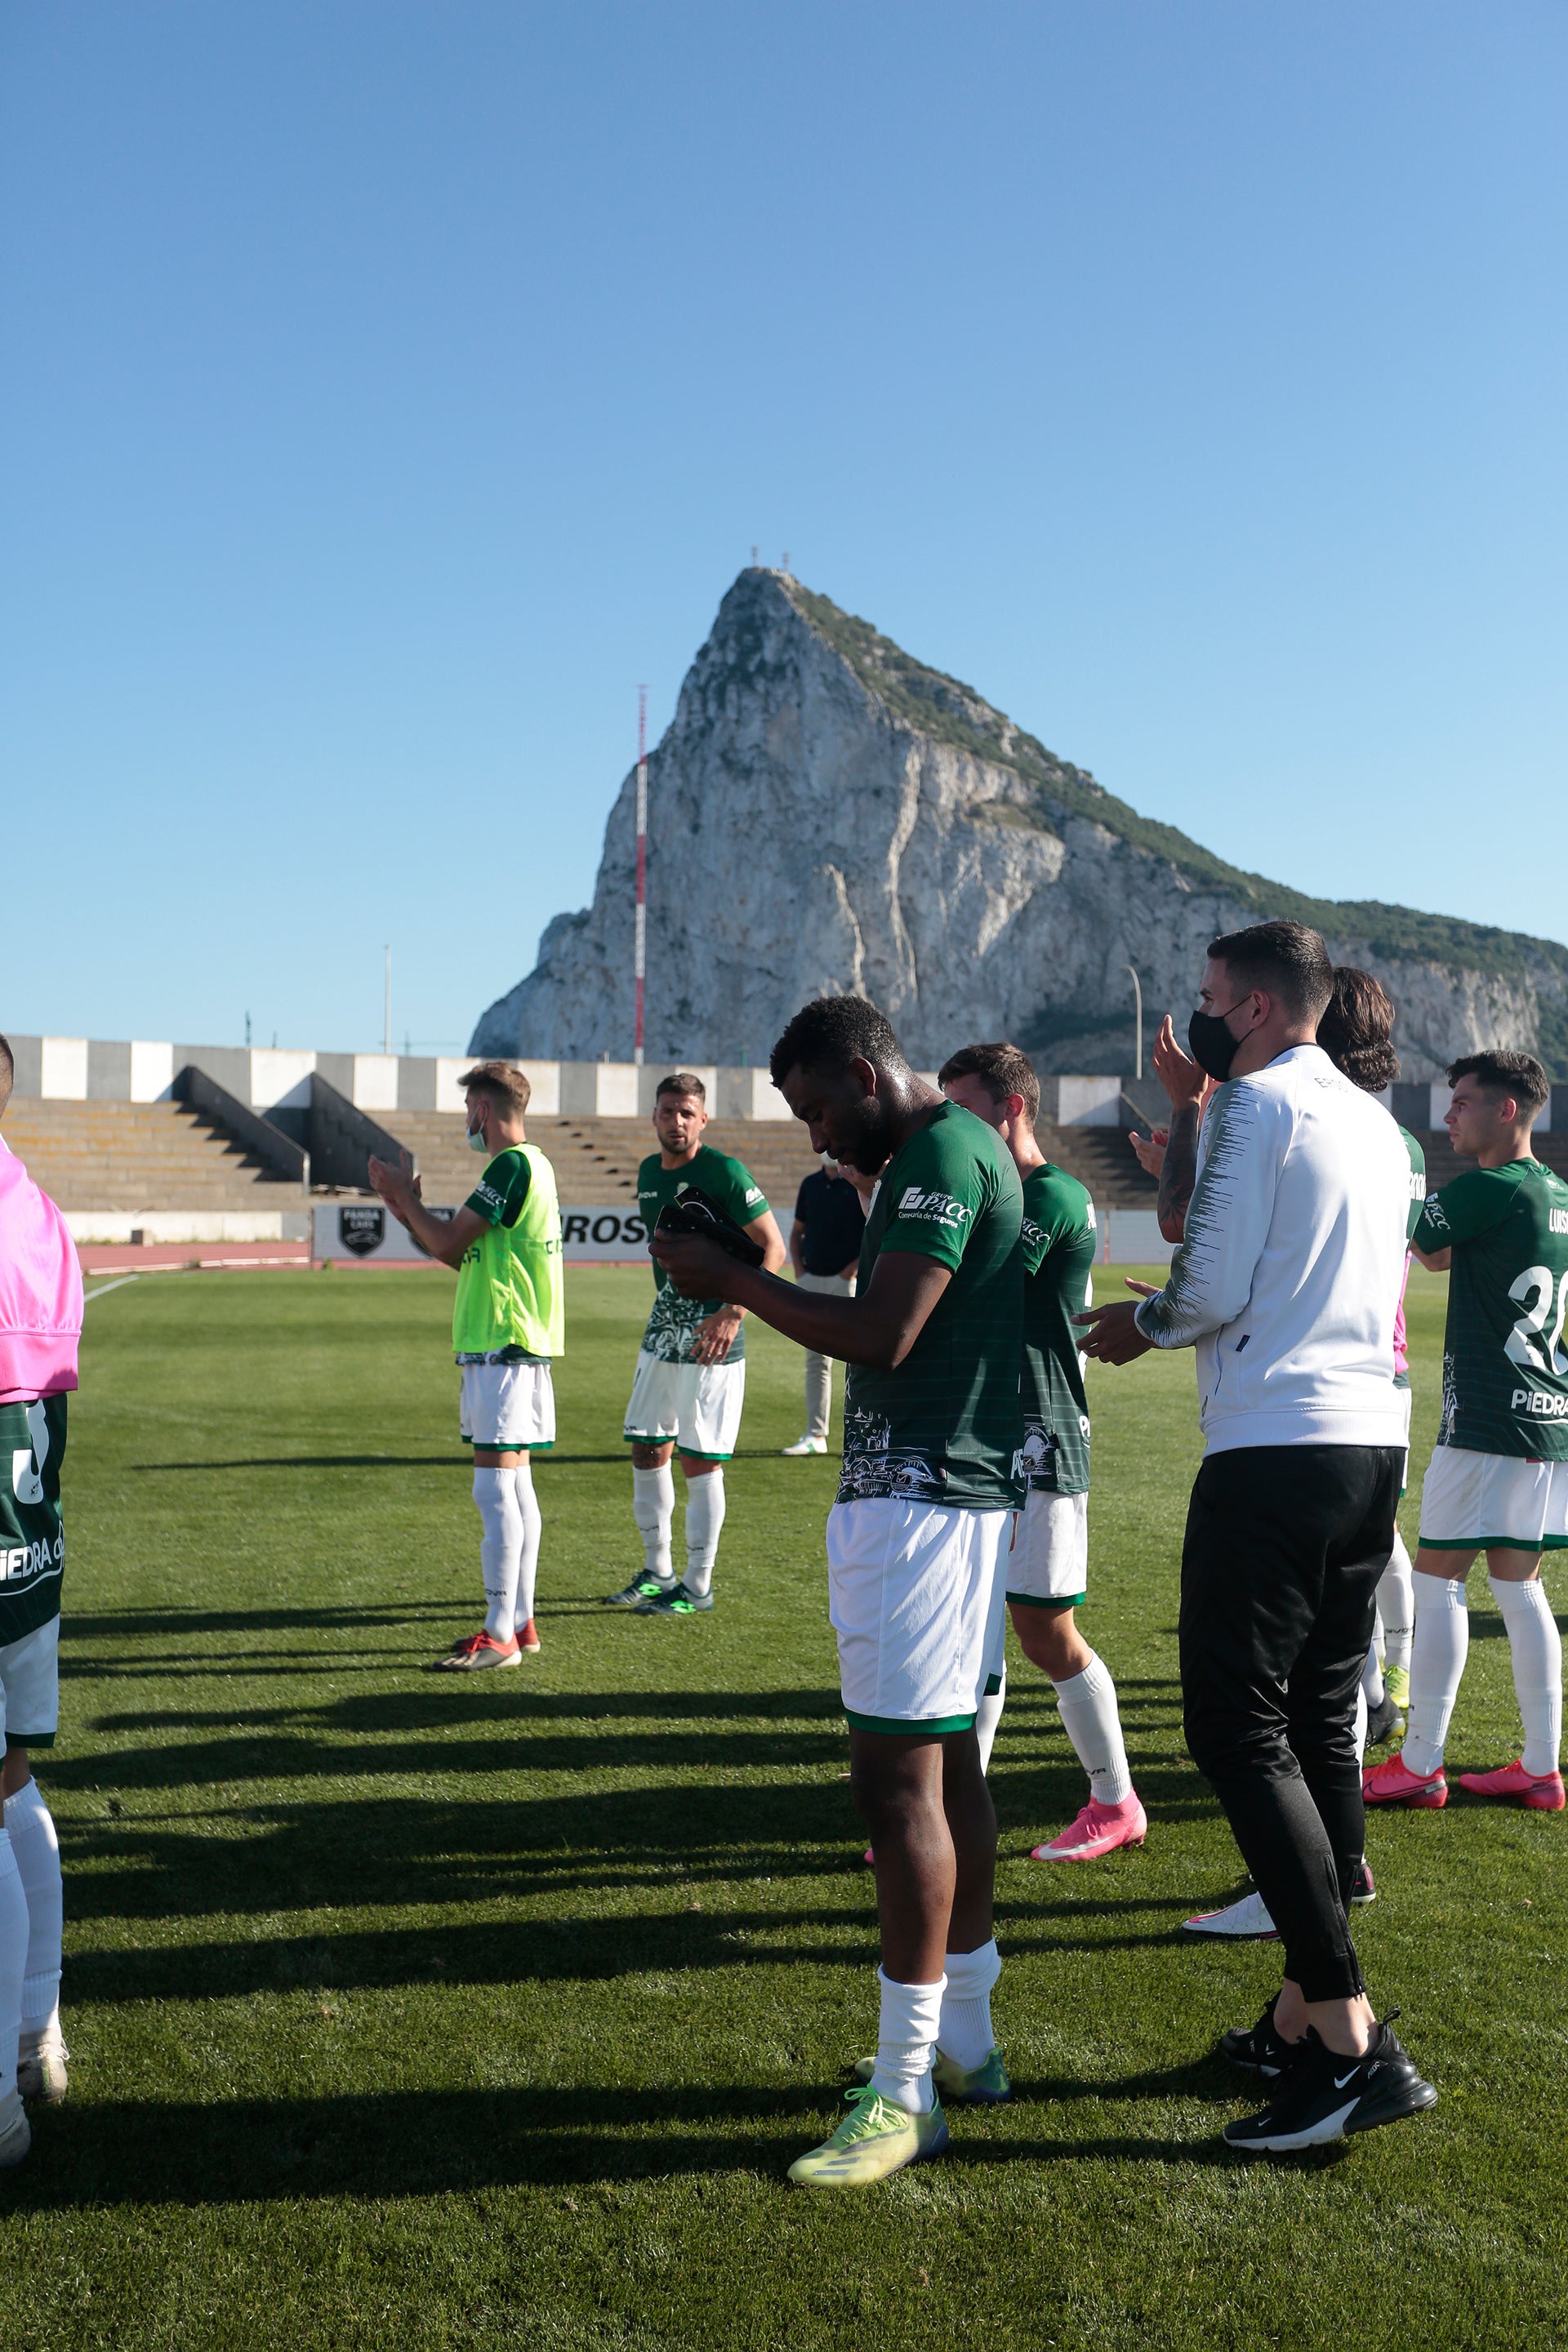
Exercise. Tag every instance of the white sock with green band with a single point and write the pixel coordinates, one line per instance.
(1396, 1605)
(963, 2032)
(1536, 1648)
(653, 1508)
(501, 1548)
(528, 1556)
(906, 2041)
(31, 1828)
(704, 1519)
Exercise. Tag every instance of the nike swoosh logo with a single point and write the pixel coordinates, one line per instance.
(1341, 2080)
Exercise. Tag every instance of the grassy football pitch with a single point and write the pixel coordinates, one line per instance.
(407, 2009)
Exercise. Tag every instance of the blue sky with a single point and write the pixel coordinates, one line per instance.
(390, 388)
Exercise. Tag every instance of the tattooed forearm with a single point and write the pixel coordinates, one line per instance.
(1179, 1172)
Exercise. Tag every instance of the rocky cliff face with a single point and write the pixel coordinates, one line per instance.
(827, 814)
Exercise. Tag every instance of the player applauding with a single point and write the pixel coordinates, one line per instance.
(1048, 1568)
(508, 1320)
(1498, 1480)
(931, 1430)
(690, 1381)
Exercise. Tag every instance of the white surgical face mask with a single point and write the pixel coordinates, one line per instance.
(476, 1139)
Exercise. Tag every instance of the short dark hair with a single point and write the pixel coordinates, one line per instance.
(1287, 959)
(1001, 1069)
(681, 1082)
(1356, 1028)
(831, 1033)
(1518, 1075)
(7, 1071)
(498, 1083)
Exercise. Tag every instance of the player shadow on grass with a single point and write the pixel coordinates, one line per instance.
(429, 2142)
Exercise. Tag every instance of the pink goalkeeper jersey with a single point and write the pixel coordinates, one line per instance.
(40, 1289)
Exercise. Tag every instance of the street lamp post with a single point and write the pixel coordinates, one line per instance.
(1138, 1003)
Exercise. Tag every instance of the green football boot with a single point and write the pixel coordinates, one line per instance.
(675, 1600)
(972, 2086)
(641, 1588)
(875, 2137)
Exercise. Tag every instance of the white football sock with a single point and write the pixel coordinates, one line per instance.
(528, 1556)
(1437, 1663)
(987, 1716)
(37, 1852)
(1360, 1723)
(1088, 1702)
(1537, 1649)
(906, 2028)
(501, 1548)
(653, 1508)
(1372, 1691)
(704, 1518)
(1396, 1605)
(963, 2032)
(13, 1962)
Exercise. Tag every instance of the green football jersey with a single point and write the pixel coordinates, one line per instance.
(32, 1541)
(672, 1325)
(1058, 1266)
(946, 1427)
(511, 1299)
(1505, 1369)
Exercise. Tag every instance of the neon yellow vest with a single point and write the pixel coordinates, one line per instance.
(510, 1291)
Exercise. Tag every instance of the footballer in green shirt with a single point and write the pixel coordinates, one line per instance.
(932, 1432)
(1048, 1568)
(690, 1379)
(509, 1324)
(1497, 1479)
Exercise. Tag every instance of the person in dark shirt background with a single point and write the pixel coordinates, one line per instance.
(824, 1249)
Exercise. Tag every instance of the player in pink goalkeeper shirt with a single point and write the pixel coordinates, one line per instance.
(40, 1329)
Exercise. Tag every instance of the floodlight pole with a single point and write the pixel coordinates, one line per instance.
(1138, 1002)
(639, 932)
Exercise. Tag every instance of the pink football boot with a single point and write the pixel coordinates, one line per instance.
(1389, 1784)
(1542, 1792)
(1099, 1829)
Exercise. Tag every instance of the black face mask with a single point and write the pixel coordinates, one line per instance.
(1214, 1048)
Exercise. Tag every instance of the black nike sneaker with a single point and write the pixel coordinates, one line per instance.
(1363, 1886)
(1323, 2096)
(1258, 2048)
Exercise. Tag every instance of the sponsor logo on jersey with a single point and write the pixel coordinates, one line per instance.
(1558, 1220)
(932, 1208)
(1435, 1216)
(22, 1563)
(1538, 1405)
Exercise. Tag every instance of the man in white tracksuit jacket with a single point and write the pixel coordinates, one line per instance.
(1286, 1284)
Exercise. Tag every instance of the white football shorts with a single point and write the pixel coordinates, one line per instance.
(30, 1687)
(507, 1405)
(1049, 1564)
(915, 1597)
(1471, 1500)
(697, 1405)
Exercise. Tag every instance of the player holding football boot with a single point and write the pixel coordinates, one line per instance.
(509, 1323)
(690, 1381)
(1046, 1568)
(1497, 1479)
(40, 1331)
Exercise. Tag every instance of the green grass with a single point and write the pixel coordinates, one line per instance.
(408, 2012)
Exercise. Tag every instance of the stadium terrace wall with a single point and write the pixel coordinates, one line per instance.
(276, 1081)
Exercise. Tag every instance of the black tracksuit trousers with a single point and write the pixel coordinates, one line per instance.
(1283, 1551)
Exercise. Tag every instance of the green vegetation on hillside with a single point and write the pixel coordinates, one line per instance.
(955, 713)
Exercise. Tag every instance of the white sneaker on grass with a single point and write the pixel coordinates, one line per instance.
(805, 1445)
(41, 2069)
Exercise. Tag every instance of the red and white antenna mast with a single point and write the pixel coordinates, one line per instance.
(639, 933)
